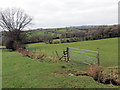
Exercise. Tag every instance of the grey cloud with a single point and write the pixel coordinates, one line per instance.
(56, 13)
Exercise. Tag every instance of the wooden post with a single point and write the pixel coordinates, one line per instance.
(67, 54)
(64, 52)
(57, 54)
(98, 57)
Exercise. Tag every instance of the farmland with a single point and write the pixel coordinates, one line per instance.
(59, 44)
(106, 46)
(24, 72)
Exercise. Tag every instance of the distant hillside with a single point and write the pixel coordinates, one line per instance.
(69, 34)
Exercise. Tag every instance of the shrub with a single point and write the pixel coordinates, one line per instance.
(14, 45)
(56, 42)
(15, 39)
(17, 45)
(9, 44)
(95, 71)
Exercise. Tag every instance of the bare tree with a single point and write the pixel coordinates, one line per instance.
(14, 20)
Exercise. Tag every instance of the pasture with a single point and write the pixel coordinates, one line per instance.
(23, 72)
(108, 49)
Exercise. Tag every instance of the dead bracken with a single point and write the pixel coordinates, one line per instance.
(97, 73)
(30, 54)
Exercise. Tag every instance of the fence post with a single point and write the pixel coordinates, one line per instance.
(64, 52)
(98, 57)
(67, 54)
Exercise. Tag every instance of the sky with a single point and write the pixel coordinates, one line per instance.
(65, 13)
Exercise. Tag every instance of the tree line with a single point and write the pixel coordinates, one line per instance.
(73, 34)
(70, 35)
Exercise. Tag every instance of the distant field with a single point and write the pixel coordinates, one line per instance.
(37, 33)
(23, 72)
(108, 49)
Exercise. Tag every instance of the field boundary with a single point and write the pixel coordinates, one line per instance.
(84, 53)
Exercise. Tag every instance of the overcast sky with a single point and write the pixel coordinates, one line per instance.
(60, 13)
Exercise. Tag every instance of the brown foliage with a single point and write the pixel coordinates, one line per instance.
(25, 52)
(30, 54)
(39, 56)
(96, 72)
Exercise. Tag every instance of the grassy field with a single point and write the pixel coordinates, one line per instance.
(108, 49)
(23, 72)
(37, 33)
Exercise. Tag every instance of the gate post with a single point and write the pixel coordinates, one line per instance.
(67, 54)
(98, 57)
(65, 57)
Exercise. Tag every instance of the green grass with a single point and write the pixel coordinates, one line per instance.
(108, 49)
(20, 71)
(0, 69)
(37, 33)
(2, 46)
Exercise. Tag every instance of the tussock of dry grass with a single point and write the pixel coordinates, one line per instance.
(98, 74)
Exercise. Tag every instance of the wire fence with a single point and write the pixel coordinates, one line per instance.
(83, 56)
